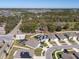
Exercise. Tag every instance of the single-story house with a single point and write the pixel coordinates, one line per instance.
(32, 43)
(23, 54)
(42, 38)
(52, 37)
(20, 36)
(60, 36)
(76, 54)
(71, 35)
(68, 56)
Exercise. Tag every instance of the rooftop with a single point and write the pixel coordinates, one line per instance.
(60, 36)
(70, 34)
(52, 36)
(23, 53)
(68, 56)
(32, 43)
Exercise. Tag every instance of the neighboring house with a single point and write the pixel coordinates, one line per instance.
(68, 56)
(71, 35)
(32, 43)
(76, 54)
(20, 36)
(52, 37)
(60, 36)
(23, 54)
(42, 38)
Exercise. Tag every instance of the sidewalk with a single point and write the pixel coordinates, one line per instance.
(20, 47)
(39, 57)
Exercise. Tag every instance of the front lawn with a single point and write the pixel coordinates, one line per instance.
(38, 51)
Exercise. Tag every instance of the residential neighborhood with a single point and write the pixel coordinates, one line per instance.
(31, 42)
(39, 29)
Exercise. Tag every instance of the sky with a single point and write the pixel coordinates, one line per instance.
(39, 3)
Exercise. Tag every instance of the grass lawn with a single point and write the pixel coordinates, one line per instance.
(38, 51)
(63, 42)
(44, 44)
(72, 41)
(53, 43)
(10, 56)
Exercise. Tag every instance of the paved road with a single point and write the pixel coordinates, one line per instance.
(14, 31)
(2, 54)
(49, 52)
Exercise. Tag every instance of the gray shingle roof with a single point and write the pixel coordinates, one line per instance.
(67, 56)
(76, 54)
(70, 34)
(60, 36)
(52, 36)
(32, 43)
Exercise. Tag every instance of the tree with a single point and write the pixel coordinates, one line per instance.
(58, 28)
(66, 26)
(51, 27)
(28, 27)
(76, 26)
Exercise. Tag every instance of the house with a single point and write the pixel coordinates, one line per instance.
(76, 54)
(23, 54)
(42, 38)
(32, 43)
(71, 35)
(52, 37)
(60, 36)
(20, 36)
(68, 56)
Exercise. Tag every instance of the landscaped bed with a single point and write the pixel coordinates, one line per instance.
(53, 43)
(58, 54)
(63, 42)
(72, 41)
(44, 44)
